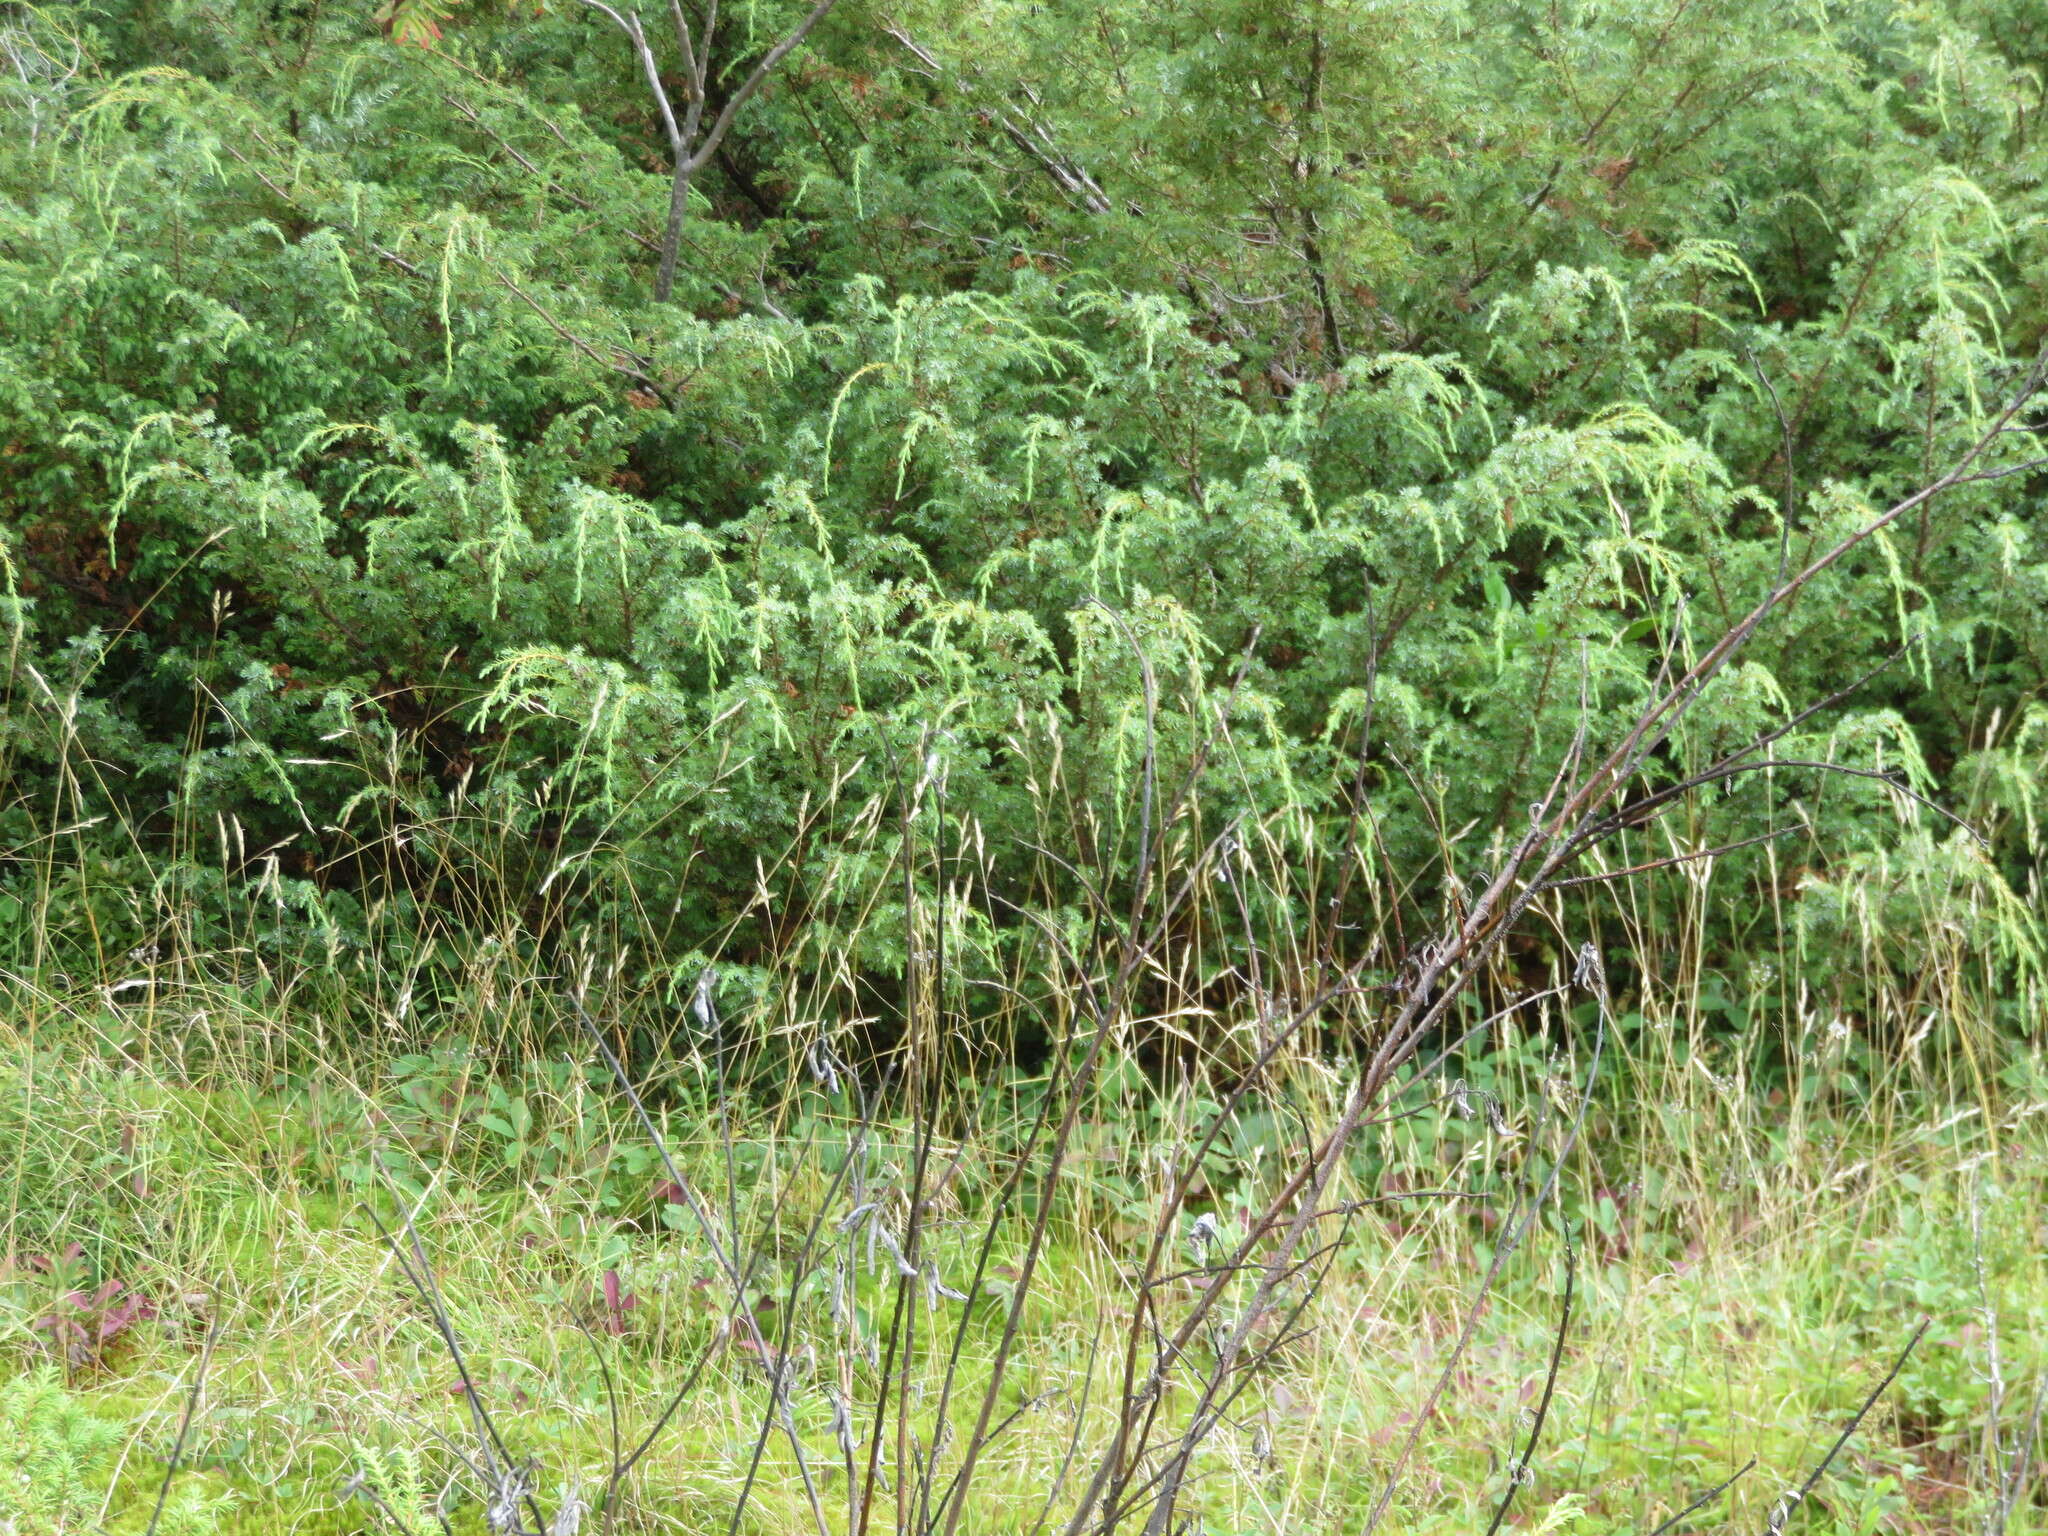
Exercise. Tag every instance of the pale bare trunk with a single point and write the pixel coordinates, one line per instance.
(672, 233)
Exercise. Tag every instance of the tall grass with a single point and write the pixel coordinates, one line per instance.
(1750, 1259)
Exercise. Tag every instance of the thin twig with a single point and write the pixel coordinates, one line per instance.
(1518, 1470)
(163, 1492)
(1706, 1498)
(1782, 1511)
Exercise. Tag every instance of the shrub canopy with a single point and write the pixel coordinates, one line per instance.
(1397, 387)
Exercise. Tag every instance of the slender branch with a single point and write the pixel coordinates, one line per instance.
(629, 24)
(1591, 972)
(715, 134)
(1782, 1511)
(1028, 134)
(1679, 858)
(163, 1492)
(1706, 1498)
(1518, 1470)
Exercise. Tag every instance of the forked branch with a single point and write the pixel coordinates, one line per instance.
(693, 142)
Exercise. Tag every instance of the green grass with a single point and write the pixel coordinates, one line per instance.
(1751, 1257)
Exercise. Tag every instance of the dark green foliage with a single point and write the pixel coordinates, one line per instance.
(385, 571)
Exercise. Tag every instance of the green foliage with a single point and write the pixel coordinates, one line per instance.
(386, 576)
(58, 1464)
(54, 1456)
(395, 1485)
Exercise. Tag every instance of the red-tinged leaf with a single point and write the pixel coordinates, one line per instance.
(121, 1318)
(42, 1263)
(617, 1303)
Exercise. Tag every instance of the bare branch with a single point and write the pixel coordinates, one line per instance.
(163, 1492)
(1706, 1498)
(1028, 134)
(1782, 1511)
(701, 155)
(1518, 1469)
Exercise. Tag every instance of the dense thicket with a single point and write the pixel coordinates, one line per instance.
(1406, 383)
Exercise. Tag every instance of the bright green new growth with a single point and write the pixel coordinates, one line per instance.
(394, 1482)
(1430, 389)
(55, 1456)
(58, 1462)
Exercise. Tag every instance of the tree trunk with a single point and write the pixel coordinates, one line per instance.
(672, 234)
